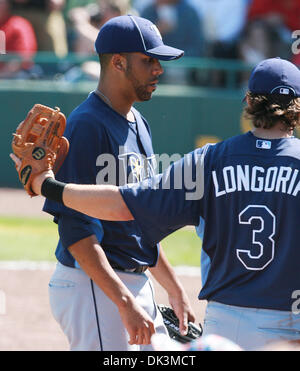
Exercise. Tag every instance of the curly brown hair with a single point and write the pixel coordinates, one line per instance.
(265, 111)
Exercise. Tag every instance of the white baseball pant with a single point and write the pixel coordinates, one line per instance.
(89, 319)
(251, 328)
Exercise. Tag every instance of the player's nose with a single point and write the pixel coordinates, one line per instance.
(157, 68)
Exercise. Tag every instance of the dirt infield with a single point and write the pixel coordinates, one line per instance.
(26, 322)
(16, 202)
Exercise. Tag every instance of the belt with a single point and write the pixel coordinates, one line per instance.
(139, 269)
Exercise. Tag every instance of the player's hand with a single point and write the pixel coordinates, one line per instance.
(38, 180)
(138, 323)
(183, 310)
(16, 160)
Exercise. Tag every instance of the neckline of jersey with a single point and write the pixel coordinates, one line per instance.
(250, 134)
(117, 113)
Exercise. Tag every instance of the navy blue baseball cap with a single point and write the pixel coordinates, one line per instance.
(275, 76)
(129, 34)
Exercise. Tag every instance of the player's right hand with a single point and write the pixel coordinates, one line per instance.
(16, 160)
(138, 323)
(38, 179)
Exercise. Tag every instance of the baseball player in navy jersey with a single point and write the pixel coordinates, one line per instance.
(243, 196)
(99, 292)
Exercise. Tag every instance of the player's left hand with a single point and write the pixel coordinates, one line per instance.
(39, 144)
(183, 310)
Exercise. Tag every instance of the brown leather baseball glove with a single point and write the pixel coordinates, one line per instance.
(39, 143)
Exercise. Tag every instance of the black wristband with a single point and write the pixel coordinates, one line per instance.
(53, 190)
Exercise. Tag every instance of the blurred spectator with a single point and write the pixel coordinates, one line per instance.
(139, 5)
(277, 19)
(284, 13)
(86, 22)
(223, 22)
(20, 40)
(258, 42)
(178, 23)
(48, 22)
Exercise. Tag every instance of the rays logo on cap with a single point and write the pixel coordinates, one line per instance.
(156, 30)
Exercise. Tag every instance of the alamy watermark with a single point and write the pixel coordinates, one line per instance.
(176, 172)
(296, 303)
(2, 43)
(296, 43)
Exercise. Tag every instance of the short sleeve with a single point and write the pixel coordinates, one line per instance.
(72, 229)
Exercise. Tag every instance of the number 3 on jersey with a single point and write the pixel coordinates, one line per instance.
(262, 223)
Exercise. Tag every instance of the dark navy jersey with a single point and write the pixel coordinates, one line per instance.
(243, 196)
(105, 148)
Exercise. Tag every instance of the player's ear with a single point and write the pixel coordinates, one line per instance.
(119, 62)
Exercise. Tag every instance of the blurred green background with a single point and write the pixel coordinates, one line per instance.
(35, 239)
(182, 116)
